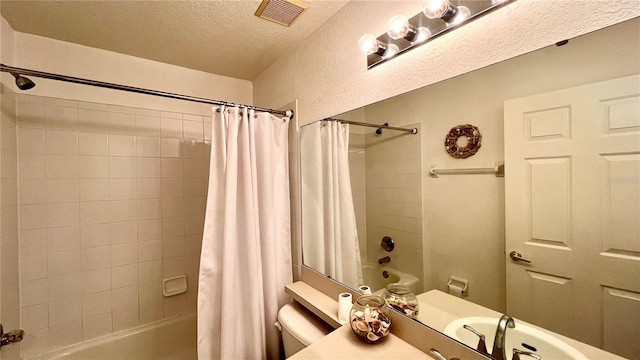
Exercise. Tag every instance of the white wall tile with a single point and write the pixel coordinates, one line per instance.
(93, 167)
(62, 190)
(96, 258)
(125, 318)
(172, 167)
(94, 189)
(62, 166)
(31, 216)
(124, 232)
(149, 168)
(150, 292)
(32, 191)
(61, 142)
(64, 262)
(61, 117)
(30, 114)
(149, 229)
(95, 235)
(124, 297)
(30, 141)
(170, 148)
(192, 244)
(192, 130)
(96, 281)
(122, 145)
(149, 188)
(63, 238)
(65, 334)
(64, 311)
(171, 128)
(150, 312)
(172, 207)
(123, 189)
(172, 187)
(149, 250)
(172, 247)
(33, 242)
(122, 167)
(122, 276)
(147, 125)
(35, 317)
(192, 263)
(121, 123)
(150, 271)
(94, 212)
(149, 209)
(124, 254)
(172, 227)
(31, 166)
(93, 121)
(123, 210)
(33, 267)
(96, 326)
(173, 266)
(96, 304)
(174, 305)
(147, 146)
(93, 144)
(65, 286)
(63, 214)
(34, 292)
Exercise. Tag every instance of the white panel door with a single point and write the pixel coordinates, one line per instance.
(572, 202)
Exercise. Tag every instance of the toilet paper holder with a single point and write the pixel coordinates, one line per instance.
(457, 283)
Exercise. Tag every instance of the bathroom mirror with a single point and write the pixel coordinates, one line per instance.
(450, 229)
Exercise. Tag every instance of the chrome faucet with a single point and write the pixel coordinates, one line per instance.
(499, 342)
(383, 260)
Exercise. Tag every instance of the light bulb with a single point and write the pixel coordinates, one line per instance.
(398, 27)
(391, 51)
(368, 44)
(435, 9)
(461, 15)
(422, 34)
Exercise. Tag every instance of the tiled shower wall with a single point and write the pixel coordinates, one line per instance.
(394, 198)
(111, 201)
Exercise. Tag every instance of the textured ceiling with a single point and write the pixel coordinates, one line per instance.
(220, 37)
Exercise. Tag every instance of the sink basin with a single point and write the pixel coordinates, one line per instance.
(546, 345)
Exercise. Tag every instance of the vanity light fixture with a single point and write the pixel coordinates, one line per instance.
(436, 18)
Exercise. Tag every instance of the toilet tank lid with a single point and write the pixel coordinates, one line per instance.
(302, 324)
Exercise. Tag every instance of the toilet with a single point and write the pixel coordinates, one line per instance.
(300, 328)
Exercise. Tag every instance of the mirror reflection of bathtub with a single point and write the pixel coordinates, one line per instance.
(374, 277)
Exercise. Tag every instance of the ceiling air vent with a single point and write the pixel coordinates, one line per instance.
(283, 12)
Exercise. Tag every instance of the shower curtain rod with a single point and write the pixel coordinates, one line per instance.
(380, 127)
(45, 75)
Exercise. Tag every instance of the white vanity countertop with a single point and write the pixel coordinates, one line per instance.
(344, 344)
(438, 309)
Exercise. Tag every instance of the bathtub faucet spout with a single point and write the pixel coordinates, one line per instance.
(383, 260)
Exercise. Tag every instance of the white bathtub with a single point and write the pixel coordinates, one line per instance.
(171, 339)
(373, 277)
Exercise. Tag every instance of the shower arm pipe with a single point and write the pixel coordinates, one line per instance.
(386, 127)
(102, 84)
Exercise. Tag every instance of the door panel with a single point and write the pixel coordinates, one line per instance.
(572, 201)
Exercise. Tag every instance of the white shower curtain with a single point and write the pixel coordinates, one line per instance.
(330, 237)
(246, 248)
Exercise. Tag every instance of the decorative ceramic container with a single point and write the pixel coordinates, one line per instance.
(399, 297)
(369, 318)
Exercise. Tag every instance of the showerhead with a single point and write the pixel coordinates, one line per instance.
(22, 82)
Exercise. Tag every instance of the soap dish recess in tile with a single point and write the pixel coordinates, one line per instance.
(174, 285)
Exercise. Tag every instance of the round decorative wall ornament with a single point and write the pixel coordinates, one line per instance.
(455, 146)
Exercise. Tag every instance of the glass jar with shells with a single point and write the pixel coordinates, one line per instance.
(399, 297)
(369, 318)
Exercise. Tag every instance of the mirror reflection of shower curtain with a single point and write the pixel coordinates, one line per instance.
(330, 237)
